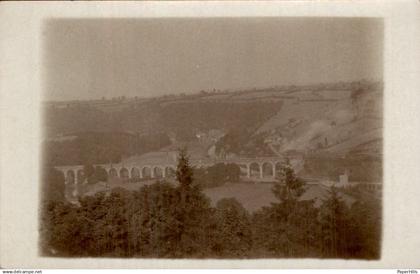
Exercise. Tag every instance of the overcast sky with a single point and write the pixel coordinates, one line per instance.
(89, 59)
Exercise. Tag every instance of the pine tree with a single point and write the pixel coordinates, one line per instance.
(286, 222)
(190, 211)
(365, 223)
(234, 235)
(290, 187)
(334, 224)
(184, 173)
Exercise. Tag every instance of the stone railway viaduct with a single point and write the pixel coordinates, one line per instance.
(256, 168)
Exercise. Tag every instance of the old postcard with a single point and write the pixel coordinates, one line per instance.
(225, 134)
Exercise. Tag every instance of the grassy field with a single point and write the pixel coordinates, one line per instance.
(255, 196)
(252, 196)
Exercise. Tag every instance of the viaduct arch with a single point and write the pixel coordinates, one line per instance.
(264, 168)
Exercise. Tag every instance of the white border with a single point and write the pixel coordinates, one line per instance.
(21, 90)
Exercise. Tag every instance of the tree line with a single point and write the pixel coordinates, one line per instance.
(164, 220)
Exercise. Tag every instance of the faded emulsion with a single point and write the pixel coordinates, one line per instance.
(216, 138)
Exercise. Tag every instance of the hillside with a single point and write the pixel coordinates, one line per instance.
(335, 121)
(339, 119)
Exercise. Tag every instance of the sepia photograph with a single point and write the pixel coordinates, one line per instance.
(212, 138)
(209, 135)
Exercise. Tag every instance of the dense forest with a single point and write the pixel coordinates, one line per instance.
(101, 147)
(183, 119)
(164, 220)
(91, 135)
